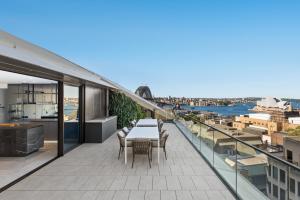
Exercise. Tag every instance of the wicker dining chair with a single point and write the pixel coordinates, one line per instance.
(162, 143)
(160, 125)
(121, 137)
(125, 130)
(141, 146)
(133, 123)
(161, 133)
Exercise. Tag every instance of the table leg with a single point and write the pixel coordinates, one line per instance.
(125, 151)
(158, 150)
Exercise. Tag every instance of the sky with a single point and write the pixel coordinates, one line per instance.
(191, 48)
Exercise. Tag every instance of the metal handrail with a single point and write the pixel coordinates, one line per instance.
(249, 145)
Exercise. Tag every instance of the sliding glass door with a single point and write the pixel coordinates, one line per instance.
(71, 117)
(28, 124)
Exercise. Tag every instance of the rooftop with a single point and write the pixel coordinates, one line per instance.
(93, 171)
(293, 138)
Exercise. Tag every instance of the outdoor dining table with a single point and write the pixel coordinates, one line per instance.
(150, 133)
(147, 123)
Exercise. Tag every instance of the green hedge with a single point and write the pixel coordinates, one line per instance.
(125, 108)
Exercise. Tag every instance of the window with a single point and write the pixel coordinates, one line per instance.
(289, 155)
(298, 189)
(292, 185)
(275, 191)
(269, 187)
(269, 170)
(282, 176)
(282, 194)
(275, 173)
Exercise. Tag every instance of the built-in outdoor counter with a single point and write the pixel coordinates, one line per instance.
(20, 139)
(98, 130)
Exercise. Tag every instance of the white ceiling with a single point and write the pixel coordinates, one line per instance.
(13, 78)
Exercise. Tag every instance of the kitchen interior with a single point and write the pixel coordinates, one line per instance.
(28, 124)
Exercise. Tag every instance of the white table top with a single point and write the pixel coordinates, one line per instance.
(147, 123)
(143, 133)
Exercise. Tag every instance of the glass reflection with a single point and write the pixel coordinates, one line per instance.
(71, 117)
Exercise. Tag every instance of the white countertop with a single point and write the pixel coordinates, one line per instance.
(101, 120)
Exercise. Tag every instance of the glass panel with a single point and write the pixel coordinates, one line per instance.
(71, 117)
(282, 194)
(28, 124)
(292, 185)
(282, 176)
(207, 143)
(298, 189)
(197, 136)
(275, 191)
(225, 158)
(252, 173)
(275, 173)
(195, 130)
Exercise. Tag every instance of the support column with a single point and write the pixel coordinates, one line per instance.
(82, 113)
(60, 135)
(107, 102)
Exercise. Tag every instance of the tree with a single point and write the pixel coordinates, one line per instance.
(294, 132)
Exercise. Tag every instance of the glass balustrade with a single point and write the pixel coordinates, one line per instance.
(249, 172)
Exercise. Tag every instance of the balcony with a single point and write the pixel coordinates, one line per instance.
(92, 171)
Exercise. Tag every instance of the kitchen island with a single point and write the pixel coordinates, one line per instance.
(20, 139)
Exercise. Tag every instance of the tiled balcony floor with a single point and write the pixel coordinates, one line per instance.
(93, 172)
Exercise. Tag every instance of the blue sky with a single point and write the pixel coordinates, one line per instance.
(213, 48)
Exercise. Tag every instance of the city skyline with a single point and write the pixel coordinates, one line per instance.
(197, 49)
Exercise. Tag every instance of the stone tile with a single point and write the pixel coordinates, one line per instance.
(214, 194)
(132, 183)
(186, 182)
(145, 183)
(105, 195)
(90, 195)
(16, 195)
(121, 195)
(173, 183)
(228, 195)
(118, 183)
(91, 183)
(152, 195)
(200, 183)
(199, 195)
(78, 183)
(137, 195)
(214, 183)
(105, 182)
(159, 183)
(164, 170)
(186, 195)
(168, 195)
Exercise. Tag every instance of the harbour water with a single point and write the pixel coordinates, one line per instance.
(235, 110)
